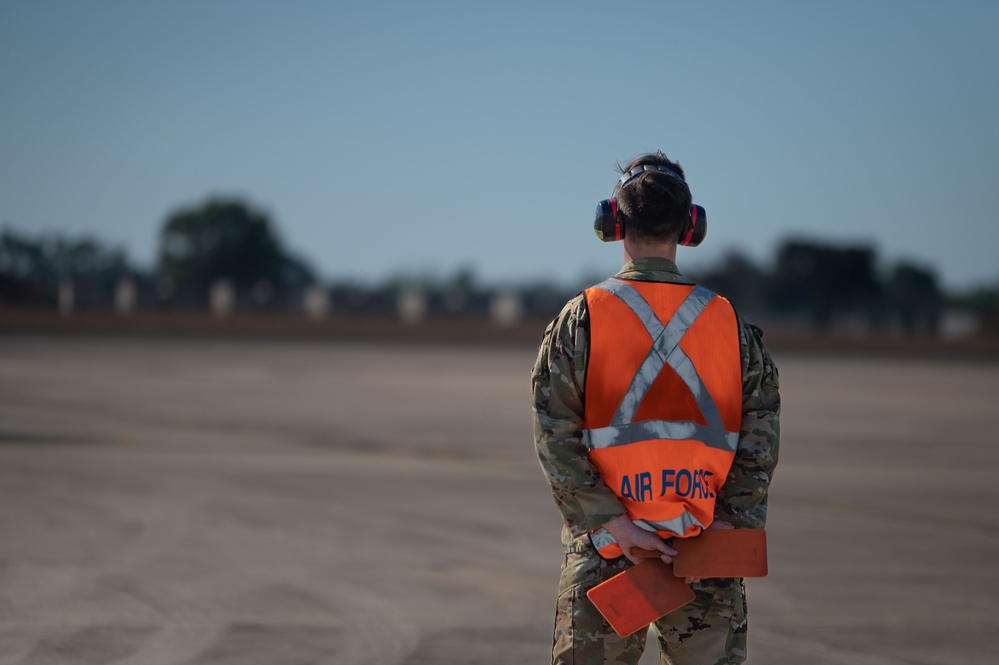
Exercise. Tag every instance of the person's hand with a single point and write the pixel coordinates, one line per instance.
(716, 525)
(628, 535)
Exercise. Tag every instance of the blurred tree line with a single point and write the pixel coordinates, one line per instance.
(818, 285)
(32, 268)
(198, 246)
(226, 239)
(810, 284)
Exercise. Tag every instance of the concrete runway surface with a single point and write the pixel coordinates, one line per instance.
(283, 502)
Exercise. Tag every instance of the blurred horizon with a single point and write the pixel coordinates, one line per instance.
(467, 271)
(396, 139)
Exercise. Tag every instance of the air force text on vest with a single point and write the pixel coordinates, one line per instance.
(649, 485)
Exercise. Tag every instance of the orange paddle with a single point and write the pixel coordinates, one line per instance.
(722, 553)
(718, 553)
(652, 589)
(635, 598)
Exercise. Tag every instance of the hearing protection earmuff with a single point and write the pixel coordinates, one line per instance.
(609, 226)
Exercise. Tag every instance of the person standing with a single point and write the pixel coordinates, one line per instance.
(656, 415)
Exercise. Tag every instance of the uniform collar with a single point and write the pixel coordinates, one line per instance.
(651, 269)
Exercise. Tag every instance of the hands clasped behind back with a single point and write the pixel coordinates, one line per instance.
(628, 535)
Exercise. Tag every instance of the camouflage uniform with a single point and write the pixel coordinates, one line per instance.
(712, 628)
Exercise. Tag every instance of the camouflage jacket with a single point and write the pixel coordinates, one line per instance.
(559, 377)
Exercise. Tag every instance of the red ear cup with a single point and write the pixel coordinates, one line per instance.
(697, 229)
(606, 223)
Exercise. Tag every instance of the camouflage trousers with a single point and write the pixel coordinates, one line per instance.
(710, 630)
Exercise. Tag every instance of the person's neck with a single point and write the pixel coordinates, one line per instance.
(663, 250)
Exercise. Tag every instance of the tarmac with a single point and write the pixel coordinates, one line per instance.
(169, 501)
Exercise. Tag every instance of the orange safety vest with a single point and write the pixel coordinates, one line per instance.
(663, 402)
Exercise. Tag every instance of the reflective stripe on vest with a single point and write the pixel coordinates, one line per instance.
(669, 516)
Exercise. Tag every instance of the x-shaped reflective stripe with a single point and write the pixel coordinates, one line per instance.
(665, 350)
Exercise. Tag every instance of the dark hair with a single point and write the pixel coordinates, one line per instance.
(655, 206)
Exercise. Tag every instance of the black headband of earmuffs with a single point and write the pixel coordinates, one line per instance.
(639, 170)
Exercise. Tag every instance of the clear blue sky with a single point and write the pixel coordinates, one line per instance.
(419, 137)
